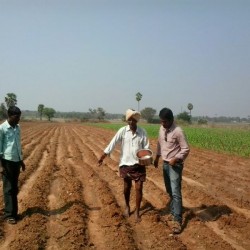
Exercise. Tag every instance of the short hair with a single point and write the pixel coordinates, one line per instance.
(13, 110)
(166, 114)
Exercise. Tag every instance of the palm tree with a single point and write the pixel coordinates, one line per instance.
(138, 98)
(190, 107)
(10, 100)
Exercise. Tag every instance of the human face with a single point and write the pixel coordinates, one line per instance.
(14, 120)
(166, 123)
(132, 123)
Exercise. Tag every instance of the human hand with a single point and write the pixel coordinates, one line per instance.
(156, 162)
(100, 162)
(101, 159)
(23, 166)
(173, 161)
(1, 167)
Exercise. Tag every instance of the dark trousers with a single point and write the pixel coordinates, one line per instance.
(10, 187)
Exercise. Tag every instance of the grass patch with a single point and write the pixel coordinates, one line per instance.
(227, 140)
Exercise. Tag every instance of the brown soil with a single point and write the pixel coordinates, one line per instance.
(66, 201)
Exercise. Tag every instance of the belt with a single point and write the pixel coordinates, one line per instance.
(135, 165)
(179, 161)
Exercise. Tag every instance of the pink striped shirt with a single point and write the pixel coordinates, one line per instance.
(172, 143)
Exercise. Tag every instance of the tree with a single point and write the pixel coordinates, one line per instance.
(202, 121)
(49, 113)
(93, 113)
(100, 113)
(138, 98)
(190, 107)
(148, 113)
(184, 116)
(3, 111)
(40, 110)
(10, 100)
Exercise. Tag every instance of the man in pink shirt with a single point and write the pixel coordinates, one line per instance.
(173, 148)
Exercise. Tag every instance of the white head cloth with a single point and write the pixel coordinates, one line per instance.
(133, 113)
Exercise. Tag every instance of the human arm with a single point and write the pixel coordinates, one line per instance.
(100, 161)
(156, 161)
(158, 154)
(184, 148)
(1, 150)
(145, 141)
(111, 146)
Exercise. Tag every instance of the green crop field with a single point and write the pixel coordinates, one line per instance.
(227, 140)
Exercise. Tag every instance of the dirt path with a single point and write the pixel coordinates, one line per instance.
(66, 201)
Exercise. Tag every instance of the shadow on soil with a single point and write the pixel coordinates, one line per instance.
(209, 213)
(38, 210)
(146, 208)
(203, 213)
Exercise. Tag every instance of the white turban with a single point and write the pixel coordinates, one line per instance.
(132, 113)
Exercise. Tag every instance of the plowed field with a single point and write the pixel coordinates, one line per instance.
(66, 201)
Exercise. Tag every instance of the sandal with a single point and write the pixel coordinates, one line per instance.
(11, 220)
(176, 227)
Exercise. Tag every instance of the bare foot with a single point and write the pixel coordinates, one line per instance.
(127, 211)
(137, 218)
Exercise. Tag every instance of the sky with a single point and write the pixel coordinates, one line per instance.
(80, 54)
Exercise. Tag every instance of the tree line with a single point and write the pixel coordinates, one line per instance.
(11, 100)
(99, 114)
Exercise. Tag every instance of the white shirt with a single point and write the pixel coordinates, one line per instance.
(130, 144)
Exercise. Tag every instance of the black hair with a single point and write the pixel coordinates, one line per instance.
(166, 114)
(13, 110)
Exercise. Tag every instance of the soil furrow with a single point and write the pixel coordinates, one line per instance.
(68, 202)
(150, 225)
(33, 208)
(214, 232)
(66, 226)
(105, 221)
